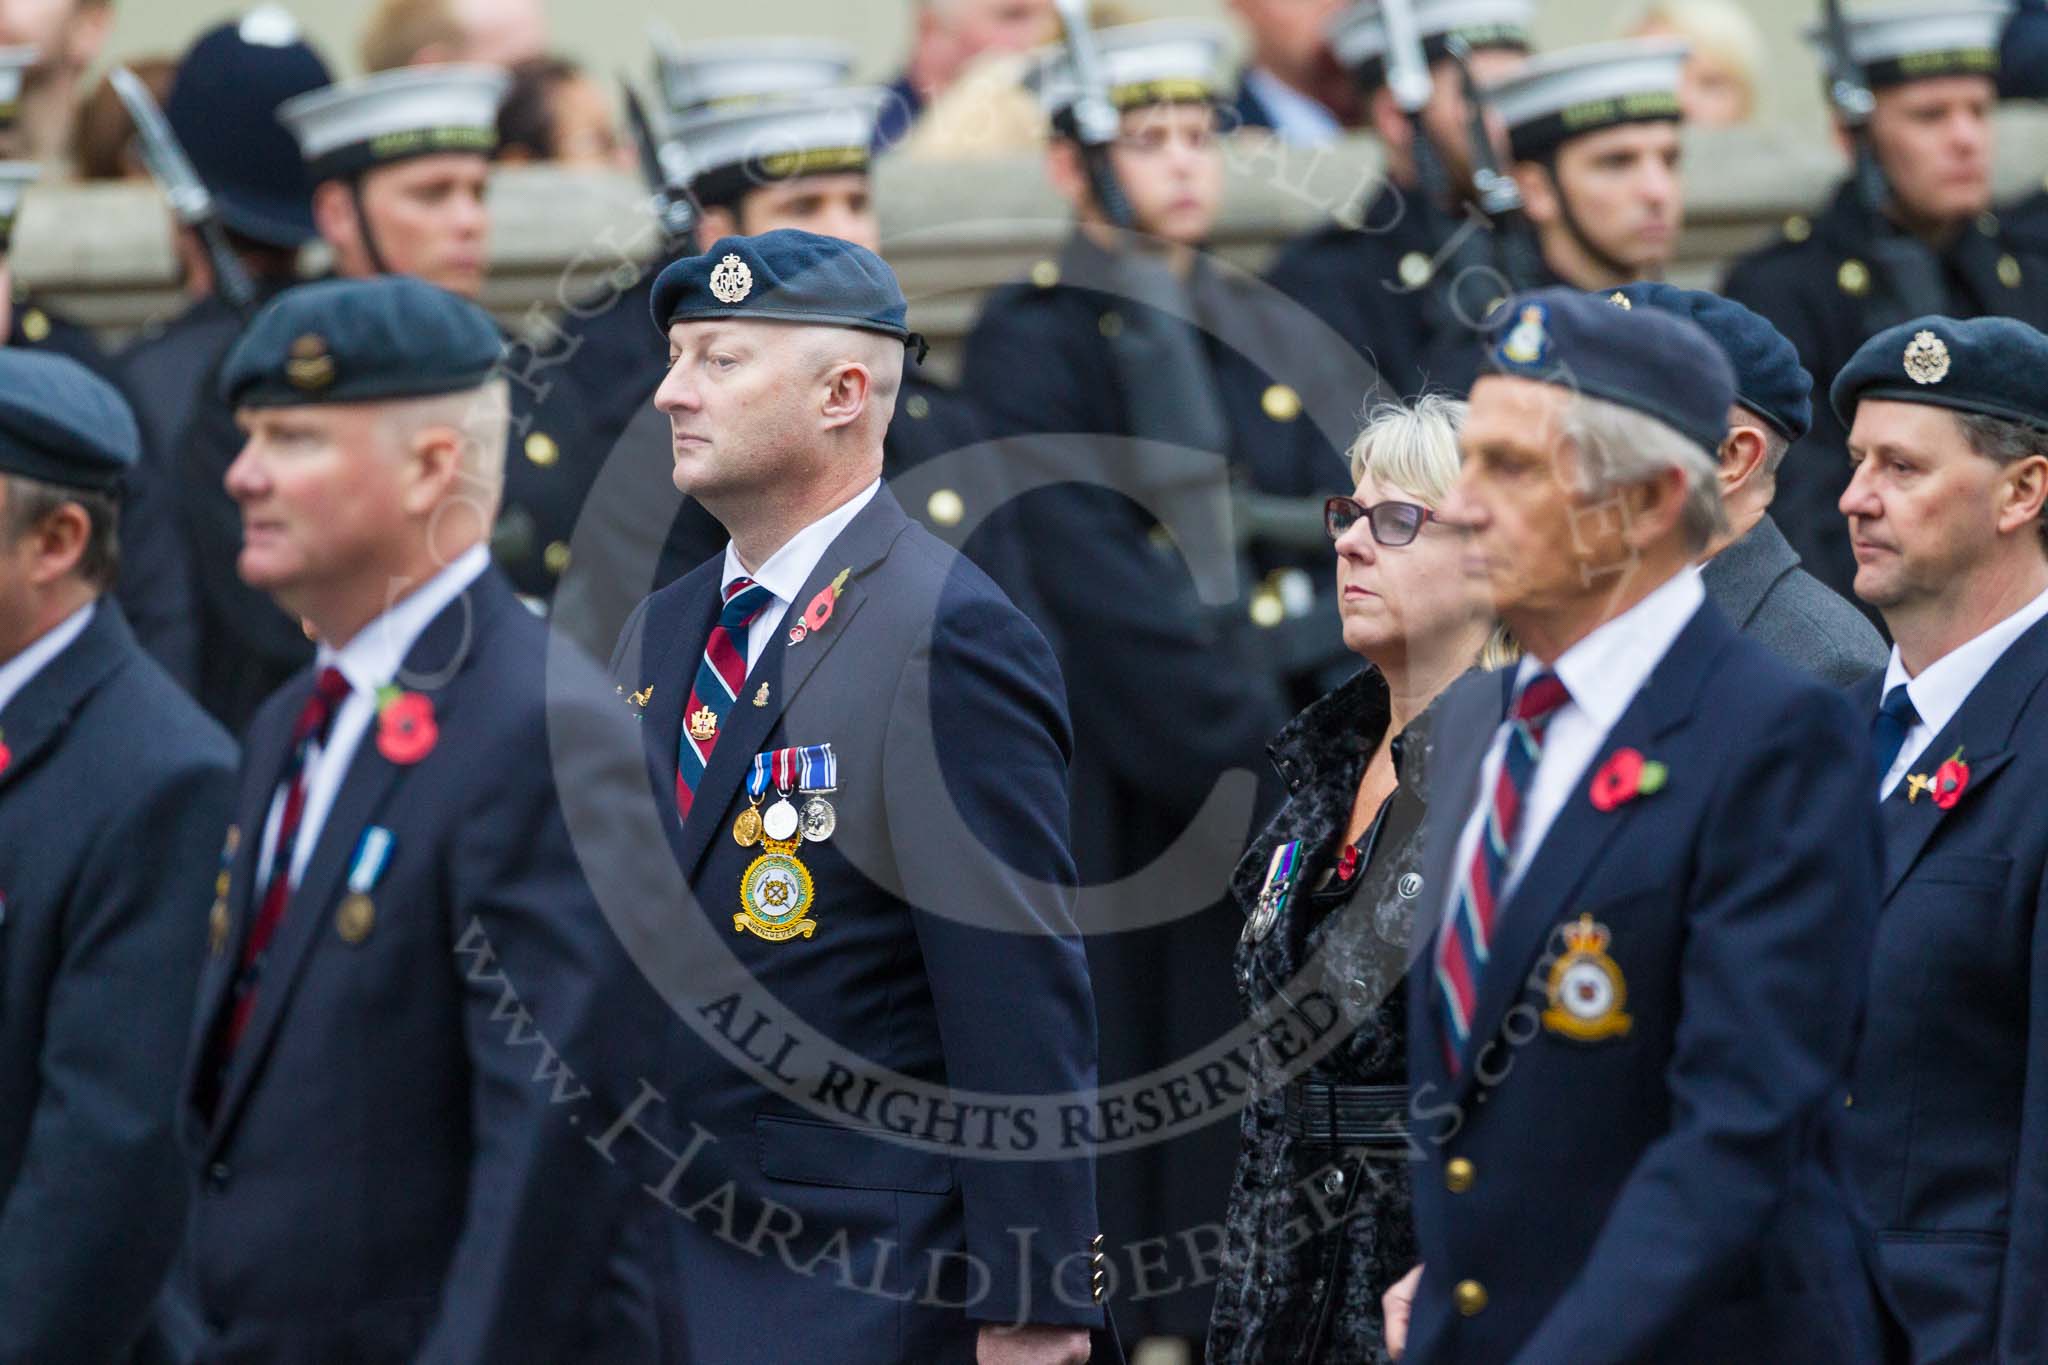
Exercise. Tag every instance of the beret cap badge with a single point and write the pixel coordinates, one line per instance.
(1927, 360)
(1527, 342)
(309, 366)
(731, 280)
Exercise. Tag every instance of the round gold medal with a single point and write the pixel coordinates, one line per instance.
(746, 831)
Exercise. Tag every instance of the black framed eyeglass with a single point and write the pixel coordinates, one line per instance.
(1393, 524)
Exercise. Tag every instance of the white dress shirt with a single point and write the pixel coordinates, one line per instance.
(1944, 685)
(20, 670)
(790, 567)
(1603, 673)
(369, 661)
(1299, 119)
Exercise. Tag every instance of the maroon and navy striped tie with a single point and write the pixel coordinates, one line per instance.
(720, 675)
(316, 718)
(1461, 948)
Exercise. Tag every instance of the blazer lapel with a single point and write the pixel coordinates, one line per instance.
(1982, 730)
(785, 666)
(440, 655)
(1581, 834)
(670, 669)
(41, 710)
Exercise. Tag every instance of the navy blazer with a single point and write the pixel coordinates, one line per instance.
(1664, 1193)
(944, 951)
(397, 1169)
(113, 798)
(1948, 1135)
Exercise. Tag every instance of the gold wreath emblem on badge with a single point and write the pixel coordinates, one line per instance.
(731, 281)
(703, 724)
(1926, 359)
(309, 366)
(1587, 992)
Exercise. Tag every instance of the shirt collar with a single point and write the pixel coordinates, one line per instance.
(19, 671)
(1296, 117)
(374, 655)
(1604, 671)
(1944, 685)
(789, 568)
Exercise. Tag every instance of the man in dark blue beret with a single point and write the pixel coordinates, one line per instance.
(1651, 873)
(114, 793)
(1948, 1135)
(859, 747)
(1750, 572)
(402, 831)
(223, 111)
(1835, 277)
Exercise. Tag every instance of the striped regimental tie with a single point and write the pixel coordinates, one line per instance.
(720, 675)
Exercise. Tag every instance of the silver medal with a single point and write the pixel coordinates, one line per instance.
(1261, 922)
(819, 820)
(780, 822)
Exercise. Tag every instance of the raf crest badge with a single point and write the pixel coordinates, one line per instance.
(309, 367)
(1587, 992)
(1926, 359)
(775, 892)
(731, 281)
(1528, 342)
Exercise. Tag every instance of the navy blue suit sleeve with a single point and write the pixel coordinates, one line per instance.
(2023, 1316)
(555, 1022)
(1772, 978)
(88, 1230)
(993, 917)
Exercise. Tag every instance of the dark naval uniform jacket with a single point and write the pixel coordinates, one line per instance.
(1947, 1134)
(1758, 585)
(397, 1169)
(1818, 286)
(114, 794)
(1653, 1180)
(942, 953)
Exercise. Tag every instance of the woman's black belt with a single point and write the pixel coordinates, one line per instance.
(1334, 1115)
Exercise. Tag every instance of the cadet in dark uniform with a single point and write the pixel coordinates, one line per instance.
(223, 111)
(1822, 284)
(1111, 345)
(836, 656)
(1377, 284)
(1651, 903)
(405, 946)
(2023, 75)
(23, 321)
(1749, 571)
(399, 162)
(1948, 1121)
(114, 794)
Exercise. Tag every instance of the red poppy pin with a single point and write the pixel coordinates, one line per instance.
(1625, 776)
(1947, 785)
(6, 754)
(406, 732)
(820, 609)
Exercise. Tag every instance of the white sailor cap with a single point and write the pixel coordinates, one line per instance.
(346, 128)
(734, 147)
(1166, 61)
(719, 72)
(1358, 35)
(1563, 95)
(1901, 43)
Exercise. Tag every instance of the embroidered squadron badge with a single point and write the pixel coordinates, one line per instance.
(1587, 992)
(731, 280)
(1528, 343)
(1927, 359)
(775, 892)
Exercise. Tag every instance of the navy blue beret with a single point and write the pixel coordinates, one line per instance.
(787, 275)
(62, 424)
(1652, 362)
(1769, 380)
(1994, 366)
(359, 341)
